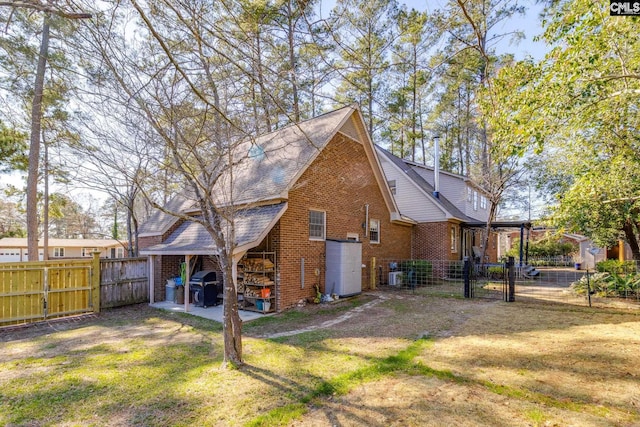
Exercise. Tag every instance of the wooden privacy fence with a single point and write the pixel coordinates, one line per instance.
(41, 290)
(123, 282)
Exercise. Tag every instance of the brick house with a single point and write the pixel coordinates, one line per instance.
(303, 185)
(450, 219)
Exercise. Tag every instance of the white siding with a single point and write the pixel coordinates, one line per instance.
(21, 254)
(454, 188)
(411, 201)
(480, 214)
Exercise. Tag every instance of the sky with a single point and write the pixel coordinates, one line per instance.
(529, 24)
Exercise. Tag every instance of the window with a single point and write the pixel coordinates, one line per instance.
(392, 186)
(88, 251)
(475, 200)
(454, 239)
(374, 231)
(469, 194)
(57, 252)
(483, 202)
(119, 252)
(317, 225)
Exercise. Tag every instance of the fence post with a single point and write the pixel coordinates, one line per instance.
(511, 297)
(373, 273)
(95, 282)
(466, 273)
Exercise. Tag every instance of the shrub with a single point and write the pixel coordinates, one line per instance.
(616, 266)
(496, 272)
(456, 270)
(598, 283)
(607, 284)
(546, 247)
(416, 271)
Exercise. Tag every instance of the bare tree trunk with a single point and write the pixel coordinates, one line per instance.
(260, 77)
(231, 317)
(130, 249)
(292, 63)
(632, 239)
(493, 208)
(414, 102)
(424, 151)
(34, 146)
(45, 213)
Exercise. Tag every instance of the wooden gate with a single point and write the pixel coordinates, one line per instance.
(33, 291)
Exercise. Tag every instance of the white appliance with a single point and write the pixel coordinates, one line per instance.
(395, 278)
(343, 267)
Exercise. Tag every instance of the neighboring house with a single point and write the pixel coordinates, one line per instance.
(587, 253)
(302, 186)
(451, 218)
(14, 249)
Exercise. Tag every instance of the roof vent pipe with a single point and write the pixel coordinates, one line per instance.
(436, 166)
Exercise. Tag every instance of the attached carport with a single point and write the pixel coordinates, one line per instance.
(499, 226)
(190, 239)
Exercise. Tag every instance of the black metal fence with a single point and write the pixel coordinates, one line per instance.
(615, 285)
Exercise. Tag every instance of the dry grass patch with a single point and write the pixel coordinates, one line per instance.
(485, 363)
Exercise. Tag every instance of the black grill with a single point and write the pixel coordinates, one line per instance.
(204, 289)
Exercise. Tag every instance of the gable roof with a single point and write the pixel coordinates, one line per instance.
(409, 169)
(268, 166)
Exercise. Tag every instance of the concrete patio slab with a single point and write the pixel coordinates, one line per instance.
(212, 313)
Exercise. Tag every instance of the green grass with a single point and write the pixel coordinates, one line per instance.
(164, 369)
(536, 416)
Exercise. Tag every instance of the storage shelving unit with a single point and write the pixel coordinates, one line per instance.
(257, 282)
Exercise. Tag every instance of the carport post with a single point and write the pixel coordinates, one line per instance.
(151, 261)
(187, 261)
(466, 273)
(521, 243)
(511, 274)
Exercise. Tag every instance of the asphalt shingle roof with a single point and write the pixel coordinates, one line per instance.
(412, 173)
(267, 167)
(191, 238)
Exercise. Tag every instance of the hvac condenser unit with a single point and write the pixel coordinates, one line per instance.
(395, 278)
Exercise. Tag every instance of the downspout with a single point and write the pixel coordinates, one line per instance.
(366, 220)
(521, 243)
(436, 167)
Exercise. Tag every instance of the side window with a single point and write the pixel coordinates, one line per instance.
(454, 238)
(317, 223)
(374, 231)
(392, 186)
(88, 251)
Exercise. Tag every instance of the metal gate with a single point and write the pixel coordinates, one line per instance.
(38, 291)
(489, 281)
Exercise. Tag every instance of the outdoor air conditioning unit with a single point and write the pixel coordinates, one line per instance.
(395, 278)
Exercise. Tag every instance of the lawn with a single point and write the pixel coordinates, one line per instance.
(397, 358)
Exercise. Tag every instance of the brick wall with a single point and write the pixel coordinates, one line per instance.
(432, 241)
(341, 183)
